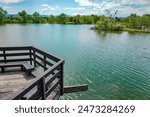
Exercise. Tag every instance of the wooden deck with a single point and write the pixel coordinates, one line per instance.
(11, 82)
(47, 81)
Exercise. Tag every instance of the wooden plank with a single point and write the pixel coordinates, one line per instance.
(54, 95)
(40, 64)
(16, 48)
(15, 60)
(11, 64)
(54, 85)
(43, 89)
(43, 60)
(15, 54)
(52, 57)
(57, 95)
(77, 88)
(62, 79)
(23, 91)
(27, 66)
(51, 79)
(10, 83)
(4, 53)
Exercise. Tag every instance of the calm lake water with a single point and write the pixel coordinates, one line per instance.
(114, 65)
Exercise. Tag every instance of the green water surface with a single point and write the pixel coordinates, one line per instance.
(114, 65)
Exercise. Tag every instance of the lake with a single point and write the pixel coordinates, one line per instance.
(114, 65)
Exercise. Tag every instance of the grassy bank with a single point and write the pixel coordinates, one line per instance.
(136, 30)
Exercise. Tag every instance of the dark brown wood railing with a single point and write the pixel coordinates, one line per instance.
(49, 81)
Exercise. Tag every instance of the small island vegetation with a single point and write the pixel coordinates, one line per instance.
(132, 23)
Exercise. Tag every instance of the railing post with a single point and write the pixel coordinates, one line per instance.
(34, 58)
(62, 79)
(45, 63)
(4, 53)
(43, 89)
(30, 56)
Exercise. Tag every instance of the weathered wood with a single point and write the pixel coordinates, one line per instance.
(15, 60)
(45, 83)
(11, 82)
(44, 60)
(43, 89)
(77, 88)
(11, 64)
(52, 57)
(28, 68)
(40, 64)
(51, 79)
(4, 54)
(15, 54)
(55, 94)
(4, 65)
(30, 55)
(62, 79)
(51, 89)
(16, 48)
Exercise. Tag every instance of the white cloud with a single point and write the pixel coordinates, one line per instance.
(124, 7)
(86, 3)
(10, 1)
(75, 8)
(136, 2)
(46, 7)
(57, 7)
(126, 11)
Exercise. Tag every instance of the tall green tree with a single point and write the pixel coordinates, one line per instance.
(36, 17)
(135, 21)
(24, 15)
(63, 18)
(146, 21)
(52, 19)
(2, 15)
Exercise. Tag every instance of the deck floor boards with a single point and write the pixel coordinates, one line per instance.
(11, 82)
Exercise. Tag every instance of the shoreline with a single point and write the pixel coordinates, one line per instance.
(130, 30)
(136, 30)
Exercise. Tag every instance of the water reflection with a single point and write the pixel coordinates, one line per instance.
(115, 65)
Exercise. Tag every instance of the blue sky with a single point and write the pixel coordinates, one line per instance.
(74, 7)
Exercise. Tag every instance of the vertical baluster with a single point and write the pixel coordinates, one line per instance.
(43, 89)
(4, 53)
(34, 58)
(30, 56)
(45, 63)
(62, 79)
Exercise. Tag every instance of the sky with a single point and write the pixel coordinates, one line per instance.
(74, 7)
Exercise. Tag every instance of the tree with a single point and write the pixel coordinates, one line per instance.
(78, 19)
(63, 19)
(145, 21)
(36, 17)
(135, 21)
(52, 19)
(23, 14)
(2, 15)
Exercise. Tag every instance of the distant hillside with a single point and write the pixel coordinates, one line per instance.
(16, 15)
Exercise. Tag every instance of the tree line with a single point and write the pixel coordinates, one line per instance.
(24, 17)
(133, 21)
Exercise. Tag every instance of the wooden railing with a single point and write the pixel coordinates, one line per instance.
(49, 82)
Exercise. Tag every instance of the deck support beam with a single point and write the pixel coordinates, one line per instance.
(76, 88)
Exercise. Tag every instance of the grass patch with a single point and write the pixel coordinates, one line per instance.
(136, 30)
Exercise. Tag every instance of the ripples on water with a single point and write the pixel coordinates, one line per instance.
(114, 65)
